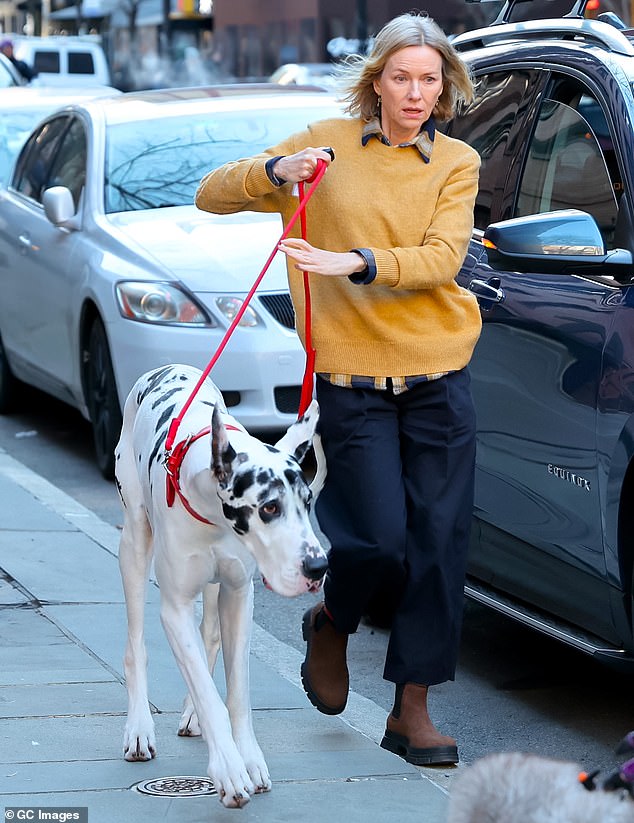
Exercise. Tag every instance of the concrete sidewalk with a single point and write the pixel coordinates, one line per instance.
(63, 699)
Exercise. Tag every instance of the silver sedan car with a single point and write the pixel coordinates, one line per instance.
(107, 269)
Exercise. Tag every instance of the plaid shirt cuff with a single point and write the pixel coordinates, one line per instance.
(362, 278)
(270, 173)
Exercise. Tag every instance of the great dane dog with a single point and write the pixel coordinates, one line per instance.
(239, 503)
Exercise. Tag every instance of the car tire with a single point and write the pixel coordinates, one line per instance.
(102, 399)
(9, 384)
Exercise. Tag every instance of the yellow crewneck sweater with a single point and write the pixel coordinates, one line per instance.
(416, 217)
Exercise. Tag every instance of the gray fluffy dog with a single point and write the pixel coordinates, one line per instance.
(524, 788)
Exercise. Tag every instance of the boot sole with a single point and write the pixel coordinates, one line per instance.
(310, 693)
(432, 756)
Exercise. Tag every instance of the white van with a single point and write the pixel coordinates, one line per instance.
(64, 61)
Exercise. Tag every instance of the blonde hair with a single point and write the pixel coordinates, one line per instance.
(358, 73)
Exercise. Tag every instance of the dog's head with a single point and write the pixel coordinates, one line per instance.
(266, 500)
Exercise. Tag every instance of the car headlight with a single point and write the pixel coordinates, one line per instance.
(230, 306)
(160, 303)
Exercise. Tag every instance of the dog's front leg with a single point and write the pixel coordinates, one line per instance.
(226, 768)
(135, 556)
(235, 607)
(210, 631)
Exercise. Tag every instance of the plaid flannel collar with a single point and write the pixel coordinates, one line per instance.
(424, 142)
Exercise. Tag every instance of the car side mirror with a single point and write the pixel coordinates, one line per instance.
(557, 242)
(59, 207)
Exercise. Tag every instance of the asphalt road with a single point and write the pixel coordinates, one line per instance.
(515, 689)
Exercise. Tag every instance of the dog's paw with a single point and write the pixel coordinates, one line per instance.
(232, 781)
(256, 766)
(235, 801)
(138, 748)
(259, 774)
(188, 725)
(139, 742)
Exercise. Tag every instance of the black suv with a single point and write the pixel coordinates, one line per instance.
(551, 264)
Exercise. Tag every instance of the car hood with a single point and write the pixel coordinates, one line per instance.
(208, 252)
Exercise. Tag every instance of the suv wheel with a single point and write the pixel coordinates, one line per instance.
(102, 399)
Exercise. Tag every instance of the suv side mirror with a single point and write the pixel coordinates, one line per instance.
(59, 207)
(557, 242)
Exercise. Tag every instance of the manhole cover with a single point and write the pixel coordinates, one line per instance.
(179, 786)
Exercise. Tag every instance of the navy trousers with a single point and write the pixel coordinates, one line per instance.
(396, 508)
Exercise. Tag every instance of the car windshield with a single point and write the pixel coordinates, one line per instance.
(154, 164)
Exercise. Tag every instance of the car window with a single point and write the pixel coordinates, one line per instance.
(80, 62)
(46, 62)
(566, 166)
(488, 124)
(32, 168)
(156, 163)
(69, 165)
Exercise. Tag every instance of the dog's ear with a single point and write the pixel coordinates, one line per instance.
(299, 435)
(222, 452)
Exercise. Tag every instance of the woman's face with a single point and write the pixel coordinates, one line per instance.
(409, 86)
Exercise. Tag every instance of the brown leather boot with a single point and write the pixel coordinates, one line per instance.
(411, 734)
(324, 670)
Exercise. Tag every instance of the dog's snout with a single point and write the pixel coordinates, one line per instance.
(314, 567)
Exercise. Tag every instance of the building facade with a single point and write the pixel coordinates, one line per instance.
(253, 38)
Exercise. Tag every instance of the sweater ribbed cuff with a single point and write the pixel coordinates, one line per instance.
(387, 271)
(257, 182)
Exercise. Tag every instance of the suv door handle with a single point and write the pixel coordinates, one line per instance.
(487, 290)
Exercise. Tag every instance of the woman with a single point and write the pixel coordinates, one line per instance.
(389, 227)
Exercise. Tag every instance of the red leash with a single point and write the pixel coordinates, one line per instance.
(307, 382)
(174, 457)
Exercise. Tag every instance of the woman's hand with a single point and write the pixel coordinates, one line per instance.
(318, 261)
(300, 166)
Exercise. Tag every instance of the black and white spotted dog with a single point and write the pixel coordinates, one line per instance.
(239, 504)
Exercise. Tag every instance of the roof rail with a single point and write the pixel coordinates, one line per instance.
(517, 11)
(589, 30)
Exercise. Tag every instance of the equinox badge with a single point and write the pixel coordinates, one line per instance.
(570, 477)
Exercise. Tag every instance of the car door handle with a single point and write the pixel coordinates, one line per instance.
(488, 290)
(24, 240)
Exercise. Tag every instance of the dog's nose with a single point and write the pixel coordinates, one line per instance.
(314, 568)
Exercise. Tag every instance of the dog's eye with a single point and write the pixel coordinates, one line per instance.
(270, 510)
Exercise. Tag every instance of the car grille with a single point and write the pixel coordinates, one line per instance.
(280, 307)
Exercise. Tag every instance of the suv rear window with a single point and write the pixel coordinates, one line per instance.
(46, 61)
(80, 62)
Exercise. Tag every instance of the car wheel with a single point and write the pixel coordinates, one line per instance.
(9, 385)
(102, 399)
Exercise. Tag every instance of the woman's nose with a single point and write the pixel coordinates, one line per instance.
(414, 91)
